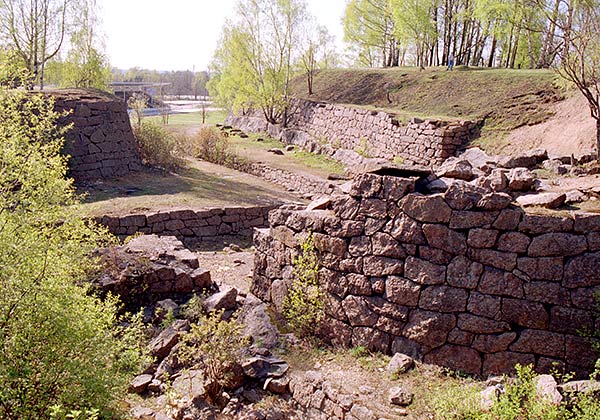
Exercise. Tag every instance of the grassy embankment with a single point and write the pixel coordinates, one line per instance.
(503, 99)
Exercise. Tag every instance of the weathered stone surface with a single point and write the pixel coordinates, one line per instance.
(407, 230)
(431, 209)
(384, 244)
(542, 268)
(513, 242)
(456, 357)
(443, 299)
(358, 312)
(484, 305)
(439, 236)
(501, 283)
(429, 328)
(462, 272)
(520, 179)
(504, 362)
(548, 200)
(582, 271)
(546, 389)
(402, 291)
(462, 196)
(540, 342)
(139, 384)
(491, 343)
(424, 272)
(161, 345)
(553, 244)
(456, 168)
(524, 313)
(382, 266)
(481, 325)
(224, 300)
(471, 219)
(482, 238)
(506, 261)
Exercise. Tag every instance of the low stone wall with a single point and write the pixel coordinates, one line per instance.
(189, 224)
(326, 128)
(101, 142)
(291, 181)
(462, 279)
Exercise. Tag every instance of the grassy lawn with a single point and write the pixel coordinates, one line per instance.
(296, 160)
(192, 118)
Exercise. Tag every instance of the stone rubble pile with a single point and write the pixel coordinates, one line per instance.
(512, 175)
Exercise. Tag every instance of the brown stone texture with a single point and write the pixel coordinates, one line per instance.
(445, 280)
(100, 142)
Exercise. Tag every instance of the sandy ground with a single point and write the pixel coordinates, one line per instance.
(570, 131)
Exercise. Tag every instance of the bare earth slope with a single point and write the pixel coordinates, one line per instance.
(571, 130)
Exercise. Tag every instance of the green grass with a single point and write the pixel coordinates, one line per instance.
(193, 118)
(298, 158)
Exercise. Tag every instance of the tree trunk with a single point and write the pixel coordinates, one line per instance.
(598, 138)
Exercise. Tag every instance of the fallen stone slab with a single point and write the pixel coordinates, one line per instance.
(548, 200)
(139, 384)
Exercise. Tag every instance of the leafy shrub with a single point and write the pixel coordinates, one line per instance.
(157, 145)
(303, 305)
(215, 346)
(60, 346)
(211, 145)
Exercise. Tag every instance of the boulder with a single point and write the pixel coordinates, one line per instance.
(548, 200)
(489, 396)
(224, 300)
(456, 168)
(276, 151)
(190, 386)
(529, 159)
(479, 159)
(139, 384)
(400, 396)
(546, 389)
(520, 179)
(555, 166)
(161, 345)
(400, 363)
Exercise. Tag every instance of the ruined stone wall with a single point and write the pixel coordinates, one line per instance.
(189, 224)
(326, 128)
(101, 142)
(462, 279)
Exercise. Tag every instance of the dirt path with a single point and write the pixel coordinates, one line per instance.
(570, 131)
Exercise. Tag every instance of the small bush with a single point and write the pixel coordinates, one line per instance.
(211, 145)
(303, 305)
(215, 346)
(157, 145)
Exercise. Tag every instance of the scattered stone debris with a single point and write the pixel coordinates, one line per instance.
(276, 151)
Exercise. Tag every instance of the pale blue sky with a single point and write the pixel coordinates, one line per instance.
(181, 34)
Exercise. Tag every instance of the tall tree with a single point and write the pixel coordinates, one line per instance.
(318, 52)
(369, 26)
(36, 29)
(254, 63)
(581, 55)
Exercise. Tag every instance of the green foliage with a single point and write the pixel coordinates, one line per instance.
(13, 72)
(59, 345)
(358, 351)
(156, 144)
(215, 346)
(518, 402)
(254, 62)
(457, 402)
(211, 145)
(59, 413)
(303, 305)
(193, 309)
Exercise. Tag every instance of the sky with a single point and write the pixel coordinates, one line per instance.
(181, 34)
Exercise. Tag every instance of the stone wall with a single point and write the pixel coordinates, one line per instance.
(189, 224)
(328, 128)
(463, 279)
(101, 142)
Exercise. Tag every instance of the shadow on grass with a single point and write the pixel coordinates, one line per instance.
(190, 182)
